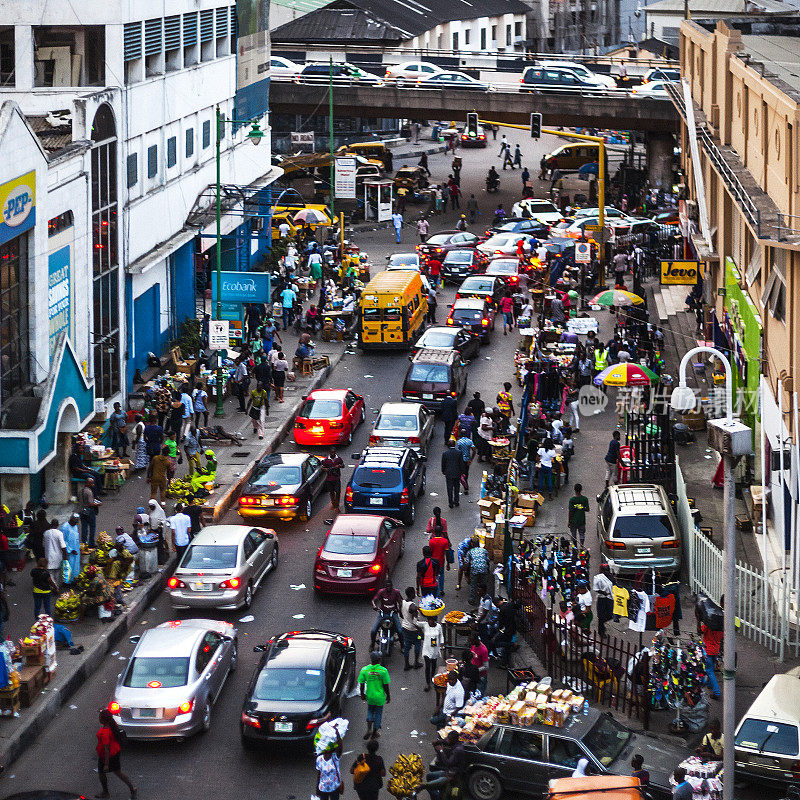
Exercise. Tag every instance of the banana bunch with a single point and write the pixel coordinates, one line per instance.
(180, 488)
(407, 773)
(68, 604)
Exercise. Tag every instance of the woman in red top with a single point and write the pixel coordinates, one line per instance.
(507, 307)
(108, 749)
(439, 544)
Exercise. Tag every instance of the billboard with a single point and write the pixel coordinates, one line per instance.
(59, 296)
(344, 177)
(18, 206)
(252, 58)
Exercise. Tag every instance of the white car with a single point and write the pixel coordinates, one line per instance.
(411, 72)
(502, 244)
(455, 80)
(652, 89)
(582, 71)
(540, 210)
(283, 68)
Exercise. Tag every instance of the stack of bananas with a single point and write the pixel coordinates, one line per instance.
(181, 489)
(407, 774)
(68, 605)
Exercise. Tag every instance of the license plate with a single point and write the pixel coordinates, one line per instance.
(267, 502)
(202, 587)
(644, 551)
(318, 429)
(345, 573)
(283, 727)
(427, 396)
(762, 761)
(147, 713)
(376, 501)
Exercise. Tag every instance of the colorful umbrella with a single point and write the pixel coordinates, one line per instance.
(311, 216)
(616, 297)
(626, 373)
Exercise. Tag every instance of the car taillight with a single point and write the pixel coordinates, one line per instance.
(464, 137)
(251, 722)
(453, 394)
(249, 501)
(413, 440)
(404, 497)
(513, 279)
(670, 544)
(336, 425)
(374, 439)
(113, 707)
(348, 494)
(319, 568)
(481, 137)
(286, 500)
(231, 583)
(186, 707)
(316, 722)
(175, 583)
(375, 568)
(615, 545)
(299, 425)
(450, 321)
(438, 250)
(484, 322)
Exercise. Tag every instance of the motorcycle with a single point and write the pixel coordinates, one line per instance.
(384, 641)
(492, 184)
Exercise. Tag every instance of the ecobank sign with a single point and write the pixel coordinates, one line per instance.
(242, 287)
(18, 206)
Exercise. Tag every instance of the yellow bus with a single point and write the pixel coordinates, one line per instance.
(392, 310)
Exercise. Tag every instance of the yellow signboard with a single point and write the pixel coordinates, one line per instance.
(681, 273)
(18, 206)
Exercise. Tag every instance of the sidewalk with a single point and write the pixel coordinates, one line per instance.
(235, 465)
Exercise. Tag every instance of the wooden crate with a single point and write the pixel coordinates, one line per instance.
(31, 683)
(9, 701)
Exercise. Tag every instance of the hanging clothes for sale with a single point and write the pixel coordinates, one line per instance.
(673, 588)
(664, 609)
(620, 595)
(640, 603)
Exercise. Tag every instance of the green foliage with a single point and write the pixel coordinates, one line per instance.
(189, 337)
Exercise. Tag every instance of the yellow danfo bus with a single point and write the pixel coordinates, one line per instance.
(392, 310)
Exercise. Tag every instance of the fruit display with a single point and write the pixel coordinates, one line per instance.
(431, 606)
(407, 774)
(457, 617)
(181, 489)
(68, 606)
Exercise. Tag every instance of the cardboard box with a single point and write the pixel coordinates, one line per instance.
(9, 701)
(489, 507)
(525, 500)
(35, 661)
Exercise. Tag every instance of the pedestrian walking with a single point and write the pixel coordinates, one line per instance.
(508, 159)
(712, 643)
(504, 146)
(439, 542)
(432, 641)
(455, 195)
(329, 773)
(518, 157)
(448, 411)
(43, 587)
(397, 221)
(333, 466)
(417, 129)
(461, 554)
(368, 772)
(241, 382)
(180, 524)
(90, 505)
(485, 434)
(507, 307)
(423, 162)
(546, 453)
(373, 683)
(72, 541)
(257, 408)
(55, 551)
(452, 468)
(139, 445)
(434, 270)
(157, 475)
(288, 298)
(612, 457)
(576, 515)
(118, 425)
(109, 747)
(428, 569)
(411, 633)
(432, 304)
(279, 369)
(478, 561)
(505, 402)
(526, 176)
(188, 410)
(472, 209)
(466, 447)
(422, 229)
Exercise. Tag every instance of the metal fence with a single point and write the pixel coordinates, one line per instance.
(594, 666)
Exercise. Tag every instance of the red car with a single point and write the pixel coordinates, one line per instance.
(443, 242)
(358, 554)
(328, 417)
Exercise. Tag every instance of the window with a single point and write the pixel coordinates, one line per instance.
(494, 33)
(172, 151)
(754, 267)
(517, 29)
(208, 648)
(773, 297)
(466, 37)
(132, 165)
(483, 38)
(508, 35)
(60, 223)
(189, 142)
(522, 744)
(206, 133)
(14, 316)
(152, 161)
(565, 752)
(455, 41)
(249, 548)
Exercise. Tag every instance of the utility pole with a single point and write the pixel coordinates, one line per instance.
(330, 128)
(220, 408)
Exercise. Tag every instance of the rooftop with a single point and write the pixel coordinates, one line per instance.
(720, 7)
(779, 54)
(54, 130)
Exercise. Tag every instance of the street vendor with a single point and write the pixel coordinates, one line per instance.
(711, 745)
(207, 473)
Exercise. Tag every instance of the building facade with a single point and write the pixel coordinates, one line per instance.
(132, 89)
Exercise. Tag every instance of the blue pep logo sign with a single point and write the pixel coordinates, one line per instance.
(242, 287)
(18, 206)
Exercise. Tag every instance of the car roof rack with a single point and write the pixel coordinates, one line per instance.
(641, 496)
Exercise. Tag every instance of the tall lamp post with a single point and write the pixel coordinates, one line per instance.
(732, 439)
(255, 135)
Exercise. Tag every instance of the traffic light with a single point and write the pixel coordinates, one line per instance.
(472, 124)
(536, 125)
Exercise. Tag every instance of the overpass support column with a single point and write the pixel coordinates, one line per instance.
(659, 148)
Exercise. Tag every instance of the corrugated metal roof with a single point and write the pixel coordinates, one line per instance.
(367, 20)
(779, 54)
(700, 7)
(54, 133)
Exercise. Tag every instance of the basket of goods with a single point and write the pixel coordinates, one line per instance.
(68, 607)
(431, 606)
(440, 679)
(456, 617)
(407, 774)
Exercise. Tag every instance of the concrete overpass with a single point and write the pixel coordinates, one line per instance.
(613, 109)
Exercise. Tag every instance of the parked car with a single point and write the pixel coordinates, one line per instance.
(543, 211)
(403, 425)
(411, 72)
(284, 486)
(532, 227)
(487, 287)
(223, 566)
(283, 68)
(442, 242)
(509, 759)
(386, 480)
(503, 244)
(460, 264)
(767, 742)
(638, 530)
(475, 314)
(173, 679)
(434, 375)
(342, 72)
(440, 337)
(411, 178)
(455, 80)
(302, 679)
(359, 553)
(328, 417)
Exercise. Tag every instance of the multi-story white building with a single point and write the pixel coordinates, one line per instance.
(129, 90)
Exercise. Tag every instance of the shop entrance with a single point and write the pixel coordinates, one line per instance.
(54, 479)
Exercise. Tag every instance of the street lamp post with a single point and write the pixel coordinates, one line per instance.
(255, 135)
(683, 399)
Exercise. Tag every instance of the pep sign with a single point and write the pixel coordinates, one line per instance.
(682, 273)
(18, 206)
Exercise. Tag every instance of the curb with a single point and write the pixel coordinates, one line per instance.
(92, 659)
(90, 662)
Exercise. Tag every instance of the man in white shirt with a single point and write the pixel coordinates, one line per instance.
(541, 253)
(55, 551)
(180, 525)
(453, 700)
(283, 229)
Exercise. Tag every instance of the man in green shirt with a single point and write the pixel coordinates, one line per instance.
(578, 506)
(373, 681)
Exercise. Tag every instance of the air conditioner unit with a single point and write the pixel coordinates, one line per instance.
(730, 438)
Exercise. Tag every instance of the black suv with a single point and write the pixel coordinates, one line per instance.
(433, 375)
(386, 481)
(515, 759)
(301, 681)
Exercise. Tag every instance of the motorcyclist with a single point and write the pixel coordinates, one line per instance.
(387, 601)
(493, 178)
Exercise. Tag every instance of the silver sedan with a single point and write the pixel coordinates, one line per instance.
(175, 675)
(403, 425)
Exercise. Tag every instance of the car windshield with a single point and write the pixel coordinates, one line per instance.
(210, 556)
(403, 259)
(429, 373)
(539, 208)
(500, 240)
(291, 684)
(466, 315)
(606, 740)
(396, 422)
(344, 545)
(643, 526)
(503, 269)
(157, 673)
(315, 408)
(475, 285)
(376, 477)
(276, 475)
(437, 339)
(439, 238)
(768, 736)
(458, 257)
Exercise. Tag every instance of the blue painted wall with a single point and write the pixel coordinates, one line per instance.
(147, 336)
(183, 286)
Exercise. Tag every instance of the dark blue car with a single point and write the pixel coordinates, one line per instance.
(541, 230)
(386, 481)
